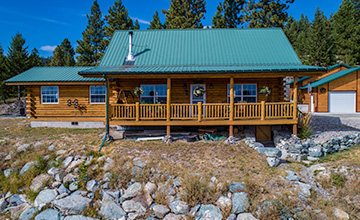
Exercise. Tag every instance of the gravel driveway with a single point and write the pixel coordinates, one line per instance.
(326, 125)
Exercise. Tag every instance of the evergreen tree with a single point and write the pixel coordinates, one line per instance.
(18, 57)
(3, 75)
(320, 43)
(34, 58)
(117, 19)
(17, 61)
(228, 14)
(136, 25)
(155, 23)
(346, 29)
(69, 52)
(266, 13)
(92, 46)
(58, 58)
(185, 14)
(300, 44)
(292, 30)
(63, 54)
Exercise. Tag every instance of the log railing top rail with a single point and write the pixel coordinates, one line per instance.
(206, 111)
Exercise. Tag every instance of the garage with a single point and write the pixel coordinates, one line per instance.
(342, 102)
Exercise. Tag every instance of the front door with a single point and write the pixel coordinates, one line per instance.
(199, 98)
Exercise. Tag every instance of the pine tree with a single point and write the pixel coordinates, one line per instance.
(136, 25)
(117, 19)
(3, 75)
(228, 14)
(17, 61)
(34, 58)
(320, 43)
(17, 57)
(63, 54)
(346, 29)
(69, 52)
(301, 42)
(266, 13)
(292, 29)
(92, 46)
(185, 14)
(155, 23)
(58, 58)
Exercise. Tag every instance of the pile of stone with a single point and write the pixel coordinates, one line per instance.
(59, 195)
(273, 154)
(297, 149)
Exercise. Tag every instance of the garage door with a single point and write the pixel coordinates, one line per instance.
(342, 102)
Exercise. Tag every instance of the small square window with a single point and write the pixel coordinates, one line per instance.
(97, 94)
(49, 94)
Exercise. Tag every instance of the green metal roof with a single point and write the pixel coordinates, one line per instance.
(197, 69)
(300, 80)
(52, 74)
(337, 65)
(201, 50)
(332, 77)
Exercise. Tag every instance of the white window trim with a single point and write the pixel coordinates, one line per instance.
(97, 94)
(49, 103)
(154, 96)
(242, 90)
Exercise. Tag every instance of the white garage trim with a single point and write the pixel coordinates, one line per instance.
(342, 102)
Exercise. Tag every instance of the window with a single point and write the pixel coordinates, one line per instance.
(49, 94)
(97, 94)
(244, 93)
(154, 94)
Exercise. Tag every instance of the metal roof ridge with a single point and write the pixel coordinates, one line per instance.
(202, 29)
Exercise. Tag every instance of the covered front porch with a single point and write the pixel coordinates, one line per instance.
(221, 105)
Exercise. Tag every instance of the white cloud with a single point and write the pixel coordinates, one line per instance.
(48, 48)
(141, 21)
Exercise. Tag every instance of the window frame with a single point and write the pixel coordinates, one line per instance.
(96, 94)
(154, 96)
(242, 96)
(42, 98)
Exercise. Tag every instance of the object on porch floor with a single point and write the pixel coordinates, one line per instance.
(207, 130)
(154, 134)
(149, 138)
(191, 138)
(211, 137)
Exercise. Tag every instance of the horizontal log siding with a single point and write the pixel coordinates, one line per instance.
(81, 93)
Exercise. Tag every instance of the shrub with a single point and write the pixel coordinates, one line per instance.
(305, 126)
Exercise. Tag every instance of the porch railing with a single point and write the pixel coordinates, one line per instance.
(208, 111)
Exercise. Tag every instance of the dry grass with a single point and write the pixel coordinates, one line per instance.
(187, 161)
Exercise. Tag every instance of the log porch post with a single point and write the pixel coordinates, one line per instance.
(168, 105)
(295, 104)
(107, 106)
(231, 118)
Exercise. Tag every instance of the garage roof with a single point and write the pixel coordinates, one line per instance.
(332, 77)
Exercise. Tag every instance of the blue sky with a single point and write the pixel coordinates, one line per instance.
(45, 23)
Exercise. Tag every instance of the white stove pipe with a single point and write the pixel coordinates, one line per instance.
(130, 56)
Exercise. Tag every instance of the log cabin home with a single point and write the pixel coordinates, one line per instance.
(201, 77)
(336, 91)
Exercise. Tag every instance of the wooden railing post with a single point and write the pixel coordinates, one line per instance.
(199, 111)
(137, 111)
(263, 110)
(232, 98)
(295, 97)
(168, 100)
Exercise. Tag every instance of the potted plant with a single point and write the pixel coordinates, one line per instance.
(199, 91)
(265, 91)
(138, 91)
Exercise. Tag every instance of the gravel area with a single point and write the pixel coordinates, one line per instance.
(328, 126)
